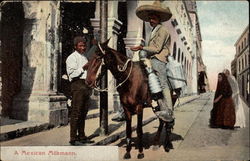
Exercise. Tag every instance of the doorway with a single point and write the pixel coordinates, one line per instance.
(12, 27)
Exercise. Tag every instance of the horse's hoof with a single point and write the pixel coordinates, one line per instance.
(127, 156)
(166, 149)
(168, 146)
(155, 147)
(140, 156)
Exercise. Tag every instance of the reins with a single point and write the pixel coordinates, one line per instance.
(119, 68)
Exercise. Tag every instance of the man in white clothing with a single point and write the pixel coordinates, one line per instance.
(79, 90)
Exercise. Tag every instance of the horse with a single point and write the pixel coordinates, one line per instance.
(133, 90)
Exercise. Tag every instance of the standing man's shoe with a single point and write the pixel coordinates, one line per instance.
(86, 141)
(76, 143)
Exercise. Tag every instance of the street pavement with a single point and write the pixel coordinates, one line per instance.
(60, 136)
(192, 137)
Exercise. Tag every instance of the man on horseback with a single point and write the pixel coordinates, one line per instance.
(155, 57)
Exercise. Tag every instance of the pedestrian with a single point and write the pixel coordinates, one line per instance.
(155, 54)
(79, 90)
(240, 115)
(223, 112)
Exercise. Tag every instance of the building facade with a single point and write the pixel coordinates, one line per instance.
(37, 39)
(242, 64)
(234, 67)
(203, 84)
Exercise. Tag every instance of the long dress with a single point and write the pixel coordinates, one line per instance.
(240, 116)
(223, 112)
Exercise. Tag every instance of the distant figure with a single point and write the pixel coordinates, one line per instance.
(201, 82)
(240, 116)
(223, 112)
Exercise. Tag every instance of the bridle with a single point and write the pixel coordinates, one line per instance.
(121, 69)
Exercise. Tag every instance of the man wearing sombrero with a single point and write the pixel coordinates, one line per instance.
(154, 56)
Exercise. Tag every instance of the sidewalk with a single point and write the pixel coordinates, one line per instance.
(19, 130)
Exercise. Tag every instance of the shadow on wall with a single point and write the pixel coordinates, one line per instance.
(12, 24)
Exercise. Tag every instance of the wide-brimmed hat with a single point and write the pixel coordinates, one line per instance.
(144, 11)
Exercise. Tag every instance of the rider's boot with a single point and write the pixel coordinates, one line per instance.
(164, 106)
(164, 113)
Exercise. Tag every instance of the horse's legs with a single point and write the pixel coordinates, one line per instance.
(140, 132)
(128, 133)
(158, 134)
(168, 144)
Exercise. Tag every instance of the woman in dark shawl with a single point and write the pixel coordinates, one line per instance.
(223, 112)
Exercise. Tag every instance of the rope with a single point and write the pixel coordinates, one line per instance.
(120, 84)
(122, 69)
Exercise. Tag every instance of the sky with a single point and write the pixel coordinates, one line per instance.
(221, 24)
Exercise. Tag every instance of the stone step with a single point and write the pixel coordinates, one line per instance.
(11, 129)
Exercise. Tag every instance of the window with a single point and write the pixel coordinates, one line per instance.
(248, 59)
(243, 86)
(185, 62)
(239, 65)
(179, 54)
(247, 65)
(248, 83)
(182, 57)
(243, 65)
(248, 38)
(174, 50)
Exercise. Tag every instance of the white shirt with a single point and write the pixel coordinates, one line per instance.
(74, 64)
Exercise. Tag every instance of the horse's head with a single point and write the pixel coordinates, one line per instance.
(96, 63)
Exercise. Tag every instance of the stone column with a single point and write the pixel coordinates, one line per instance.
(39, 99)
(114, 26)
(135, 35)
(1, 107)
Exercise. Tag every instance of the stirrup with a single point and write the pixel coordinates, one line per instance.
(165, 116)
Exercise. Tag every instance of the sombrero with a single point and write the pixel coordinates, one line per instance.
(144, 11)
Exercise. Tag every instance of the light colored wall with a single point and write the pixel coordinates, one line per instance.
(242, 63)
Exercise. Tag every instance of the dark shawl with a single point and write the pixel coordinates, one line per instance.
(223, 87)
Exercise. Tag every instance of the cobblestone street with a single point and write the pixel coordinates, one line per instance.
(194, 139)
